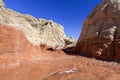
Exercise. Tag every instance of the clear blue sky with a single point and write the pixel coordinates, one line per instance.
(69, 13)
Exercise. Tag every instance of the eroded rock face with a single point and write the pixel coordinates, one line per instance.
(2, 5)
(38, 31)
(100, 36)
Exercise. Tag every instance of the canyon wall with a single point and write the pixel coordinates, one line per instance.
(100, 36)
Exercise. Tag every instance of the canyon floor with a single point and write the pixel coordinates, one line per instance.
(24, 57)
(57, 66)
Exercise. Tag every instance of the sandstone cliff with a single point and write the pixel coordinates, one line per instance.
(21, 60)
(38, 31)
(100, 36)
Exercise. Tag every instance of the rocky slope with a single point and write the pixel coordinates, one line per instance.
(100, 36)
(38, 31)
(20, 60)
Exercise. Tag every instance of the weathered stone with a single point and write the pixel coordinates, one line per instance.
(38, 31)
(2, 5)
(100, 36)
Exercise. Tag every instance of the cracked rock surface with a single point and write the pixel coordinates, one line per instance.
(100, 36)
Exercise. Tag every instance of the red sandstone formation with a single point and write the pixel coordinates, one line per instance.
(21, 60)
(100, 36)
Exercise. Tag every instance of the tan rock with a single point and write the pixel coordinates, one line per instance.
(2, 5)
(38, 31)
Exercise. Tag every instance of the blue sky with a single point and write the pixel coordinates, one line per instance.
(69, 13)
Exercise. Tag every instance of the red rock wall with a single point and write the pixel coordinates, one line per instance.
(100, 36)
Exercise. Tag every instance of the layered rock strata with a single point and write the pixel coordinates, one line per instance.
(37, 30)
(100, 36)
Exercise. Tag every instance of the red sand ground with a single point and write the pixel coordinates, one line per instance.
(20, 60)
(15, 68)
